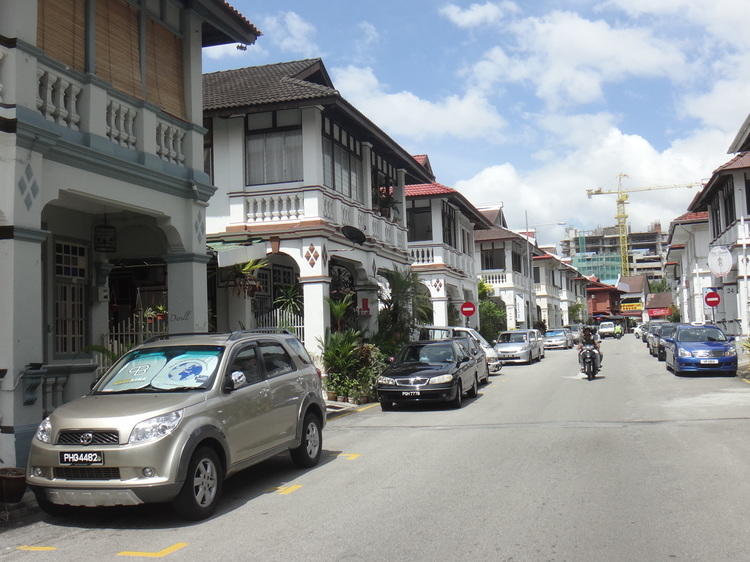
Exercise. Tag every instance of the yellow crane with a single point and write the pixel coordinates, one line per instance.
(622, 216)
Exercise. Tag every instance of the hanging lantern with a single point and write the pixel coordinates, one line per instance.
(105, 238)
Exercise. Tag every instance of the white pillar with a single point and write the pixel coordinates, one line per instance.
(367, 175)
(440, 311)
(399, 196)
(317, 314)
(312, 145)
(187, 292)
(368, 323)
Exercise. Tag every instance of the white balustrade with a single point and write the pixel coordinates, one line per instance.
(170, 141)
(347, 213)
(58, 98)
(329, 208)
(121, 123)
(2, 56)
(377, 229)
(270, 208)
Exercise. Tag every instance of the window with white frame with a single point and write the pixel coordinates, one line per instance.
(273, 147)
(419, 220)
(71, 266)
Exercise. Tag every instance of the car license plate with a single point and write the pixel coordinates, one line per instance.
(709, 361)
(82, 457)
(410, 393)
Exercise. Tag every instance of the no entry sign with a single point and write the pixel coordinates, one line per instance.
(712, 298)
(468, 308)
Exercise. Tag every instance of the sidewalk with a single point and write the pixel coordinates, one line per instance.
(12, 514)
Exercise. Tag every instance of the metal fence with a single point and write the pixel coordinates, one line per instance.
(285, 319)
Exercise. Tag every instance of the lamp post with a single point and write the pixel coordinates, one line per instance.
(530, 271)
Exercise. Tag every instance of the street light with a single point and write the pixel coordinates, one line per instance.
(530, 272)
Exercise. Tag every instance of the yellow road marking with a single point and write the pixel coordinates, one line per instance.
(350, 456)
(37, 548)
(363, 408)
(169, 550)
(286, 490)
(745, 380)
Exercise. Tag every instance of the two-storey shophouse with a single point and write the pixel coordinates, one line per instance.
(101, 177)
(307, 183)
(441, 224)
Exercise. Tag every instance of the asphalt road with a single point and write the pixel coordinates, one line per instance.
(543, 465)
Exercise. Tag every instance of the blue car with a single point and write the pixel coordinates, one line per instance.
(698, 349)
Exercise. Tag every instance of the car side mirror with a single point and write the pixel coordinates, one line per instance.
(730, 339)
(234, 381)
(494, 342)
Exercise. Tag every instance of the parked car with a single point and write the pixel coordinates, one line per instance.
(667, 331)
(576, 330)
(651, 334)
(447, 332)
(606, 330)
(174, 417)
(638, 331)
(561, 339)
(695, 348)
(476, 353)
(519, 346)
(429, 371)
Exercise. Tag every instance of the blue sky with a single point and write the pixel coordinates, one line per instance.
(527, 104)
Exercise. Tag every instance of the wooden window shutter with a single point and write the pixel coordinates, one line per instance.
(61, 31)
(164, 72)
(117, 46)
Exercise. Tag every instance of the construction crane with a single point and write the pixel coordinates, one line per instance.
(622, 216)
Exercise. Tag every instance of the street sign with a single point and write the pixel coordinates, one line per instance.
(468, 308)
(712, 298)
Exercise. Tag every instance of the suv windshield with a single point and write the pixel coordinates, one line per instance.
(163, 369)
(554, 333)
(427, 353)
(512, 337)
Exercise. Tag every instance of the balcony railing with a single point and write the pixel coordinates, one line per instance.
(502, 279)
(70, 100)
(542, 289)
(279, 206)
(738, 232)
(441, 254)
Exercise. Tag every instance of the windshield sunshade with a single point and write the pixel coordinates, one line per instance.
(169, 368)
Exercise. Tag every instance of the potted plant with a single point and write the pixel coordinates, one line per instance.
(246, 280)
(12, 484)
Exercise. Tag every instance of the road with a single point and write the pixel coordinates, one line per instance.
(543, 465)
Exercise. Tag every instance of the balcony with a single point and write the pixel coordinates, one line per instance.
(737, 233)
(501, 279)
(441, 254)
(275, 207)
(81, 109)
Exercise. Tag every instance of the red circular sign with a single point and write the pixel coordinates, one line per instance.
(712, 298)
(468, 308)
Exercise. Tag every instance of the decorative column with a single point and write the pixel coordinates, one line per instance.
(367, 308)
(317, 314)
(187, 292)
(399, 195)
(312, 145)
(367, 175)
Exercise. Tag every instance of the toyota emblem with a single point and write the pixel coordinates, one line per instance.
(86, 438)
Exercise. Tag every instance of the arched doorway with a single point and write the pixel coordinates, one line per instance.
(343, 290)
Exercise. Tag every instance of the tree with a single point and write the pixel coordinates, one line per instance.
(659, 286)
(402, 308)
(492, 316)
(574, 312)
(674, 313)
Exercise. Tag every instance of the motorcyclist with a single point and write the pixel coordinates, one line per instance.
(618, 331)
(588, 337)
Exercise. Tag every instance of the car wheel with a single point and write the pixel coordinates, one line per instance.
(474, 387)
(386, 405)
(200, 493)
(661, 357)
(458, 401)
(309, 450)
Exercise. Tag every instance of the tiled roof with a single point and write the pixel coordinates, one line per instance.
(242, 19)
(677, 246)
(496, 234)
(741, 160)
(422, 189)
(659, 300)
(421, 159)
(633, 283)
(692, 216)
(259, 85)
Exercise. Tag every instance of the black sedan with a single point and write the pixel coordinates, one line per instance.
(429, 371)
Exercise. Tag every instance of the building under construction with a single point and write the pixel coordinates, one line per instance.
(597, 252)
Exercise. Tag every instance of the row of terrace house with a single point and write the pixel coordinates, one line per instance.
(102, 187)
(308, 183)
(535, 286)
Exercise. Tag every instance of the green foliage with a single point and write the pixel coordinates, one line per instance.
(659, 286)
(339, 359)
(485, 291)
(370, 365)
(492, 319)
(575, 312)
(674, 313)
(339, 309)
(406, 305)
(289, 299)
(245, 276)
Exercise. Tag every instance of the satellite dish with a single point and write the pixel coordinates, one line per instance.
(354, 234)
(720, 261)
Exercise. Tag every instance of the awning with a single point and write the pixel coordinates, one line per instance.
(229, 253)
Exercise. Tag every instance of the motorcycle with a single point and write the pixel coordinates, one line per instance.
(588, 358)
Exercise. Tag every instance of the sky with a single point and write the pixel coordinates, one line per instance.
(526, 104)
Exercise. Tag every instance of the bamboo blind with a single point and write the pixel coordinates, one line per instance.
(117, 47)
(61, 31)
(164, 71)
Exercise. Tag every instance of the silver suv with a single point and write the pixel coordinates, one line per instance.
(174, 417)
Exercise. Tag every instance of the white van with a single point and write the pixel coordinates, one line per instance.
(606, 329)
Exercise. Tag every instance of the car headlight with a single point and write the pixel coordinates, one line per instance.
(44, 431)
(731, 352)
(386, 380)
(684, 353)
(155, 428)
(440, 379)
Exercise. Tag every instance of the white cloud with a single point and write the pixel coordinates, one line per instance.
(367, 38)
(221, 52)
(369, 33)
(466, 116)
(568, 58)
(291, 34)
(593, 151)
(477, 14)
